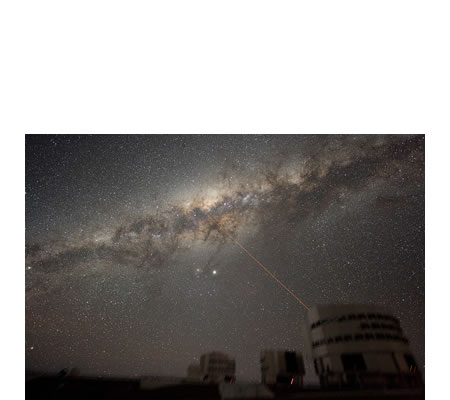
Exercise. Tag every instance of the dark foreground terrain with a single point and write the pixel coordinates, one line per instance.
(46, 387)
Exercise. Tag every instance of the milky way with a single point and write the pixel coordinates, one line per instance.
(129, 273)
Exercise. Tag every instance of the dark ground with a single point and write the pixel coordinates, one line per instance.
(46, 387)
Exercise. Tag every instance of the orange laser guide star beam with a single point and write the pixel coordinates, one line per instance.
(261, 265)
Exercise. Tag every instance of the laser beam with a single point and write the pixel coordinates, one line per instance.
(260, 264)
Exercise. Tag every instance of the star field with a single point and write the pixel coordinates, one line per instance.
(128, 272)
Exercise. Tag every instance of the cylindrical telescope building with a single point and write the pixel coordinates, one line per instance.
(217, 367)
(360, 346)
(282, 367)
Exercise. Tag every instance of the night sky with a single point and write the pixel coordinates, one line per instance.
(127, 271)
